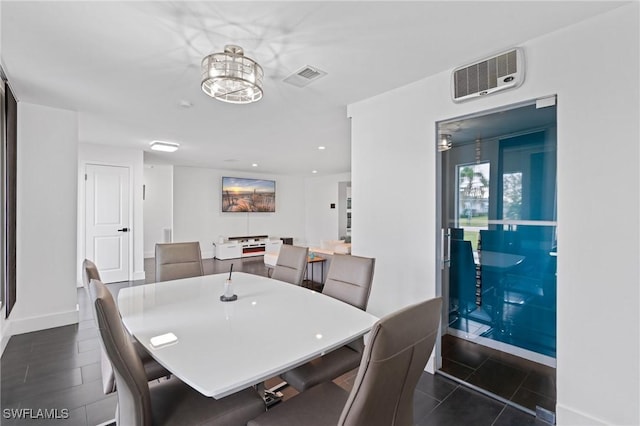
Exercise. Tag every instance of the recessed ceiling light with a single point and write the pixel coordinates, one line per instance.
(254, 165)
(321, 148)
(314, 171)
(164, 146)
(186, 104)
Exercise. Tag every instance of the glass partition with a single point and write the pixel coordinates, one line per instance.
(499, 250)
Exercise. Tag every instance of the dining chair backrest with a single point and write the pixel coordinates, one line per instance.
(178, 260)
(134, 400)
(462, 275)
(90, 272)
(349, 279)
(291, 264)
(399, 347)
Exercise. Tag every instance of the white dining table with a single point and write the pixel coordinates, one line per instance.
(220, 348)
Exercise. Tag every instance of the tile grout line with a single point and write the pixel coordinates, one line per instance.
(499, 414)
(520, 385)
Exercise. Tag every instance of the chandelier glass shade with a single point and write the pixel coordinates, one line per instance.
(232, 77)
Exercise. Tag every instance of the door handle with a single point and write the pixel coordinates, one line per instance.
(445, 259)
(123, 230)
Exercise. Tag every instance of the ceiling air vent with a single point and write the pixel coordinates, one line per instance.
(305, 76)
(490, 75)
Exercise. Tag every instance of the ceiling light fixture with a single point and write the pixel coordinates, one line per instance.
(232, 77)
(321, 148)
(314, 171)
(164, 146)
(445, 142)
(254, 165)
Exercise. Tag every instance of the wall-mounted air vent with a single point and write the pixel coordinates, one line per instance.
(499, 72)
(305, 76)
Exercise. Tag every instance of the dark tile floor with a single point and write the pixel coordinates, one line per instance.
(524, 382)
(59, 368)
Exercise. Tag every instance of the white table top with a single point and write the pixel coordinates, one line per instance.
(224, 347)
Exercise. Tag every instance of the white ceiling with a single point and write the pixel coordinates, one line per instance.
(127, 66)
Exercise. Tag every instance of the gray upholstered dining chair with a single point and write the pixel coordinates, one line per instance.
(169, 402)
(178, 260)
(291, 264)
(399, 347)
(349, 280)
(152, 369)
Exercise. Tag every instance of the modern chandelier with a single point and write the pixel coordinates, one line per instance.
(445, 143)
(232, 77)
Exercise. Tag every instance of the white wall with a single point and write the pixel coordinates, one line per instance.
(197, 214)
(109, 155)
(158, 205)
(593, 68)
(46, 225)
(4, 338)
(322, 222)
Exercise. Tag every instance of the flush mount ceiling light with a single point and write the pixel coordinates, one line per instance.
(444, 143)
(164, 146)
(232, 77)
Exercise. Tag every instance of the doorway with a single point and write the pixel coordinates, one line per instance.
(498, 253)
(107, 220)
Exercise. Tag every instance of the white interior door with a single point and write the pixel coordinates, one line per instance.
(107, 220)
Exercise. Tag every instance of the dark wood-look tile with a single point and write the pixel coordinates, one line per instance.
(423, 405)
(41, 385)
(435, 386)
(513, 417)
(71, 398)
(91, 372)
(497, 375)
(13, 372)
(455, 369)
(464, 407)
(18, 345)
(470, 354)
(347, 380)
(88, 323)
(45, 365)
(543, 384)
(497, 378)
(103, 410)
(88, 345)
(530, 400)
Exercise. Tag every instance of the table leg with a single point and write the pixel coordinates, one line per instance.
(311, 275)
(270, 396)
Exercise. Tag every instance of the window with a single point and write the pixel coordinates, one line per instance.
(512, 195)
(473, 199)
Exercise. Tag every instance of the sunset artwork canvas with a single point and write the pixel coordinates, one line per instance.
(248, 195)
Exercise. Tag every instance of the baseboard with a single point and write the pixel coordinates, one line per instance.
(566, 416)
(4, 342)
(149, 254)
(27, 325)
(431, 364)
(5, 335)
(209, 254)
